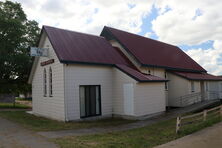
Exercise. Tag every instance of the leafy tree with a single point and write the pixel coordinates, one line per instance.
(17, 34)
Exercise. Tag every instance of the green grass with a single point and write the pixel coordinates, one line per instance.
(23, 99)
(11, 106)
(145, 137)
(43, 124)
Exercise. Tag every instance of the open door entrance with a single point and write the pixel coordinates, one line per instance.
(90, 101)
(202, 89)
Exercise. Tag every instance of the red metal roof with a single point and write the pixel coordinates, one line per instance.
(151, 52)
(138, 75)
(197, 76)
(75, 47)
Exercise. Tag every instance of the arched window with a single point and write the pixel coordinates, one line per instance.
(44, 83)
(50, 82)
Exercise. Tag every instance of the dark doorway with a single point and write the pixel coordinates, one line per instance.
(90, 100)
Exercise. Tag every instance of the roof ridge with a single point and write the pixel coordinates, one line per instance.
(72, 31)
(139, 36)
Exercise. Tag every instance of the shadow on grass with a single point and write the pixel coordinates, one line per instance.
(43, 124)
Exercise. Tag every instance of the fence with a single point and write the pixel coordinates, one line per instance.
(198, 117)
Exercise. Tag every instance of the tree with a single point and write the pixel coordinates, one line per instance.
(17, 34)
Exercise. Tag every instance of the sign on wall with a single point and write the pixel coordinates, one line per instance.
(47, 62)
(39, 52)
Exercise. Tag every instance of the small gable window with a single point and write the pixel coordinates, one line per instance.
(50, 82)
(44, 83)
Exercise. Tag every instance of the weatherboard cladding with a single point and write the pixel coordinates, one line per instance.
(75, 47)
(197, 76)
(152, 53)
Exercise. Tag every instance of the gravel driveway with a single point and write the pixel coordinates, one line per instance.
(210, 137)
(14, 136)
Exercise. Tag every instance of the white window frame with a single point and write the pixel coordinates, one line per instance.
(50, 82)
(44, 83)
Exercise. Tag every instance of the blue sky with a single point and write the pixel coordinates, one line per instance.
(147, 24)
(194, 26)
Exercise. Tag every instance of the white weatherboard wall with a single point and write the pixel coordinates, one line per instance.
(214, 88)
(119, 80)
(148, 98)
(177, 87)
(51, 107)
(76, 75)
(159, 72)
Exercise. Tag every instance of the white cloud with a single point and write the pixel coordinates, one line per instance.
(192, 23)
(87, 15)
(148, 34)
(188, 22)
(210, 59)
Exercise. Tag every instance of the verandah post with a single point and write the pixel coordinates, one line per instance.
(178, 124)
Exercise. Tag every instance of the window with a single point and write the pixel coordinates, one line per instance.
(148, 72)
(50, 82)
(192, 87)
(44, 83)
(165, 74)
(90, 100)
(166, 83)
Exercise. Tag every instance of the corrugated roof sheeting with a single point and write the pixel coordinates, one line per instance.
(73, 46)
(138, 75)
(151, 52)
(197, 76)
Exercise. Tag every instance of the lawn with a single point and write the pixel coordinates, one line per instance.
(145, 137)
(11, 105)
(43, 124)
